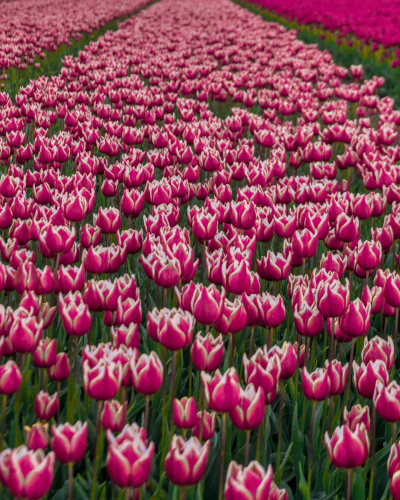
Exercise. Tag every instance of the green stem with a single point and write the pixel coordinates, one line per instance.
(311, 444)
(222, 464)
(278, 460)
(96, 435)
(70, 481)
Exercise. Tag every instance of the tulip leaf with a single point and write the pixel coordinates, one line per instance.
(79, 491)
(297, 439)
(303, 485)
(357, 486)
(385, 493)
(159, 494)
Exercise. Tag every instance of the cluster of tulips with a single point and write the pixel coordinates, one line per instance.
(375, 25)
(199, 220)
(30, 29)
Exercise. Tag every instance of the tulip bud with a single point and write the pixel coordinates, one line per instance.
(184, 413)
(337, 376)
(112, 416)
(147, 374)
(207, 352)
(69, 442)
(377, 348)
(207, 421)
(103, 381)
(316, 385)
(347, 449)
(46, 406)
(249, 412)
(252, 483)
(27, 474)
(308, 320)
(61, 369)
(10, 378)
(358, 415)
(45, 354)
(129, 462)
(185, 463)
(221, 391)
(263, 371)
(37, 436)
(365, 377)
(333, 298)
(387, 401)
(356, 320)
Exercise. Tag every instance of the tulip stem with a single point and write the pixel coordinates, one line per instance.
(231, 348)
(53, 293)
(306, 354)
(59, 402)
(296, 383)
(349, 484)
(190, 375)
(246, 450)
(373, 425)
(96, 435)
(203, 257)
(394, 432)
(353, 341)
(75, 363)
(396, 324)
(70, 481)
(202, 397)
(278, 460)
(251, 342)
(146, 413)
(172, 393)
(331, 342)
(330, 414)
(259, 442)
(3, 417)
(222, 465)
(183, 492)
(311, 444)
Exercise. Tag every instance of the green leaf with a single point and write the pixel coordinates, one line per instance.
(298, 440)
(357, 486)
(303, 485)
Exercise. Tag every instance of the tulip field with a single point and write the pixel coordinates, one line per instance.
(199, 227)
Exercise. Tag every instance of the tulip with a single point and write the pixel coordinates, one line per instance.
(249, 412)
(27, 474)
(37, 436)
(76, 318)
(387, 401)
(251, 483)
(61, 369)
(308, 320)
(58, 239)
(46, 406)
(274, 267)
(129, 462)
(45, 354)
(90, 236)
(103, 381)
(263, 371)
(377, 348)
(175, 329)
(316, 385)
(185, 463)
(207, 352)
(304, 243)
(334, 263)
(355, 321)
(129, 311)
(10, 378)
(126, 335)
(205, 421)
(184, 413)
(347, 449)
(287, 356)
(337, 375)
(221, 391)
(358, 415)
(393, 463)
(147, 373)
(272, 310)
(109, 220)
(25, 334)
(206, 304)
(333, 298)
(113, 416)
(346, 228)
(366, 376)
(69, 442)
(369, 255)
